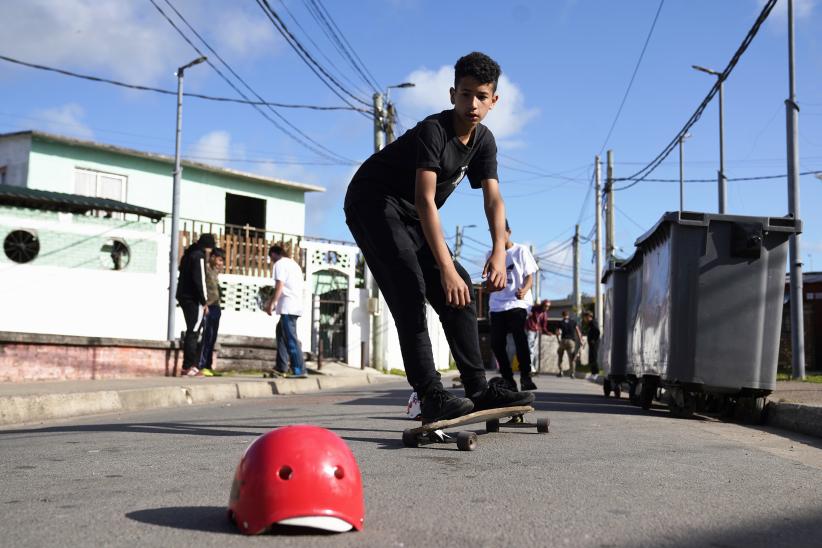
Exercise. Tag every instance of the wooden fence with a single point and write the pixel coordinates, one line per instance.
(246, 247)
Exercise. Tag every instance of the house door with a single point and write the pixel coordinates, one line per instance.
(332, 289)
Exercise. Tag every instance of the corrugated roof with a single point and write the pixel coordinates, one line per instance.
(69, 203)
(42, 135)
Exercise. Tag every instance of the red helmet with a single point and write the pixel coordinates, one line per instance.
(297, 475)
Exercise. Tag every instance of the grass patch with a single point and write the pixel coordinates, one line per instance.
(398, 372)
(813, 378)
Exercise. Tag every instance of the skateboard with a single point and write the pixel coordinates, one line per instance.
(433, 432)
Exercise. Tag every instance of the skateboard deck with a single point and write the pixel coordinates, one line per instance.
(433, 432)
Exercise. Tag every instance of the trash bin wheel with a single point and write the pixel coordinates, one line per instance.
(683, 408)
(646, 394)
(750, 409)
(542, 425)
(617, 390)
(409, 439)
(492, 425)
(633, 392)
(466, 441)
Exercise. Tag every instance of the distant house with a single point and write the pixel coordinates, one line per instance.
(812, 308)
(80, 284)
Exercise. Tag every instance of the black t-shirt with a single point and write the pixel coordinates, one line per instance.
(431, 144)
(568, 328)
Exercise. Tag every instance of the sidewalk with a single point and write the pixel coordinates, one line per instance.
(794, 405)
(31, 402)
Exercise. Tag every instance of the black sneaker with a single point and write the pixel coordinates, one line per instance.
(526, 383)
(510, 384)
(496, 396)
(439, 404)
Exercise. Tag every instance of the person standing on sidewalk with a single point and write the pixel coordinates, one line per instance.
(509, 310)
(535, 326)
(568, 334)
(211, 321)
(192, 298)
(288, 303)
(592, 335)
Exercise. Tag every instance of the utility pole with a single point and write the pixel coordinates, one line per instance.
(390, 123)
(376, 325)
(598, 242)
(610, 246)
(797, 292)
(577, 297)
(458, 243)
(537, 275)
(681, 177)
(174, 253)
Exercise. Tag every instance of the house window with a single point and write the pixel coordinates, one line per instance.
(100, 185)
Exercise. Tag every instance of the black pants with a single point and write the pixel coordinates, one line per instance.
(398, 255)
(211, 325)
(191, 312)
(593, 349)
(513, 322)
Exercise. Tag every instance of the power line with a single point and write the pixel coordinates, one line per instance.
(311, 144)
(730, 179)
(633, 76)
(317, 46)
(653, 164)
(171, 92)
(338, 39)
(305, 56)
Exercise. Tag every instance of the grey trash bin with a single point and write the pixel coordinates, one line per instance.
(613, 351)
(710, 310)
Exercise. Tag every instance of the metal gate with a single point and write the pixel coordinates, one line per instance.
(332, 289)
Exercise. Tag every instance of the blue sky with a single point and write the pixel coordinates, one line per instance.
(566, 65)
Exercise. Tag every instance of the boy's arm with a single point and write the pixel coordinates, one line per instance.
(526, 286)
(457, 292)
(494, 271)
(278, 290)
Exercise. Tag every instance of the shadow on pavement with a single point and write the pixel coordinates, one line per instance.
(210, 519)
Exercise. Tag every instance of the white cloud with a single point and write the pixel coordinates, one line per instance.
(128, 40)
(802, 9)
(215, 148)
(430, 95)
(65, 119)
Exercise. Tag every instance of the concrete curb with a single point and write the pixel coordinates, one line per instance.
(19, 410)
(797, 417)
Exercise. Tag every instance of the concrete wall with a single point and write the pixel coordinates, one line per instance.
(149, 184)
(70, 288)
(14, 155)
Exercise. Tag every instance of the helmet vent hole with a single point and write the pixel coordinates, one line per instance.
(339, 473)
(286, 472)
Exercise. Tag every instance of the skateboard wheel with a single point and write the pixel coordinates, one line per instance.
(409, 439)
(492, 425)
(542, 425)
(466, 441)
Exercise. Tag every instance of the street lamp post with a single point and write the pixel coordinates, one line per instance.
(174, 257)
(721, 176)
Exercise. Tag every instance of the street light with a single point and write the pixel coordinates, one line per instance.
(721, 181)
(682, 173)
(390, 112)
(174, 257)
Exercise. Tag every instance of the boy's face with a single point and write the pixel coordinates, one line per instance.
(219, 264)
(472, 100)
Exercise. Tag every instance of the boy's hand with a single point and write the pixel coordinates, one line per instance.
(457, 293)
(494, 271)
(521, 293)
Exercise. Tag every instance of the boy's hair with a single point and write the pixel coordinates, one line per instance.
(479, 66)
(279, 250)
(218, 252)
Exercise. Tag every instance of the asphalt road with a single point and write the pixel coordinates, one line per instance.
(608, 474)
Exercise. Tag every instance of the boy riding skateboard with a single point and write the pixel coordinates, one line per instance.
(391, 208)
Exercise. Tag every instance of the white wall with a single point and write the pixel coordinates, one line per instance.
(202, 193)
